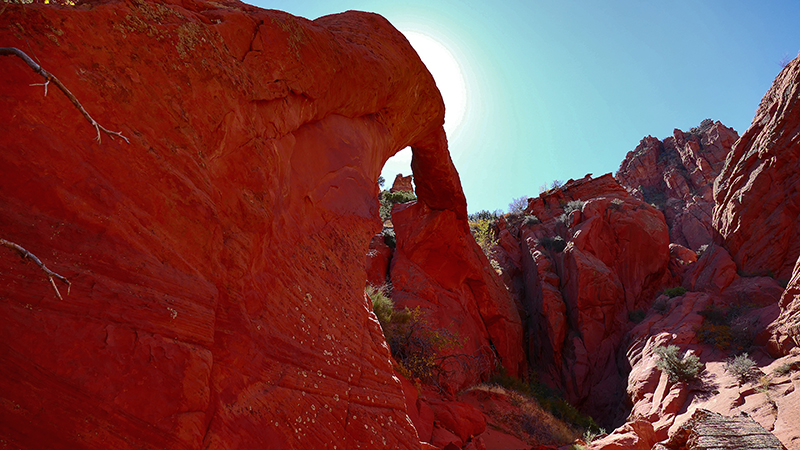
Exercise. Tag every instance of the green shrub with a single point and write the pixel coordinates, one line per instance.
(388, 199)
(417, 347)
(740, 367)
(483, 215)
(785, 368)
(484, 234)
(382, 305)
(554, 243)
(676, 291)
(548, 399)
(679, 367)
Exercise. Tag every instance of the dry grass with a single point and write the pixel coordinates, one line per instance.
(516, 414)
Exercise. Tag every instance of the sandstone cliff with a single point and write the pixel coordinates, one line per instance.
(216, 261)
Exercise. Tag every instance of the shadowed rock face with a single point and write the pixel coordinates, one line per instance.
(757, 191)
(217, 261)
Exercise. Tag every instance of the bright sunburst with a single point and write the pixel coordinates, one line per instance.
(448, 76)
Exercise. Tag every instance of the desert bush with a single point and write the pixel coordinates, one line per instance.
(676, 291)
(556, 184)
(548, 399)
(786, 367)
(554, 243)
(740, 367)
(418, 347)
(574, 205)
(382, 305)
(483, 215)
(484, 234)
(699, 130)
(388, 199)
(679, 367)
(702, 249)
(616, 203)
(531, 220)
(726, 328)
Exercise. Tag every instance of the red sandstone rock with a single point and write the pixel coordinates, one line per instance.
(756, 192)
(713, 272)
(439, 267)
(637, 435)
(217, 261)
(677, 175)
(378, 257)
(461, 419)
(615, 261)
(785, 331)
(402, 183)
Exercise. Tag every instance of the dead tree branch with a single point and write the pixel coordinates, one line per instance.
(48, 77)
(50, 274)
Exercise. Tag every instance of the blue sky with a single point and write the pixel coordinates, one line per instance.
(559, 89)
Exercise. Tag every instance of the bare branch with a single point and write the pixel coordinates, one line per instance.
(50, 274)
(8, 51)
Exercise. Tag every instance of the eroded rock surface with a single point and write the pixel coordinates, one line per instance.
(757, 191)
(707, 430)
(677, 176)
(592, 255)
(217, 261)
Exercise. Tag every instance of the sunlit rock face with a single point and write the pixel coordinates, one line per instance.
(757, 190)
(216, 261)
(677, 176)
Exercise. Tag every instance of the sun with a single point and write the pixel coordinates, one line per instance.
(448, 75)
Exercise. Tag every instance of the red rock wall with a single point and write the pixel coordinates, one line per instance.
(757, 191)
(217, 261)
(677, 176)
(615, 258)
(439, 267)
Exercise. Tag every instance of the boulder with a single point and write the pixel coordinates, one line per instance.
(708, 430)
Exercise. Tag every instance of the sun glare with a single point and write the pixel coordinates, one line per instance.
(448, 76)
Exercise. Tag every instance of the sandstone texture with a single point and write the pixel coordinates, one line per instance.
(216, 261)
(592, 255)
(438, 267)
(757, 190)
(677, 176)
(707, 430)
(402, 183)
